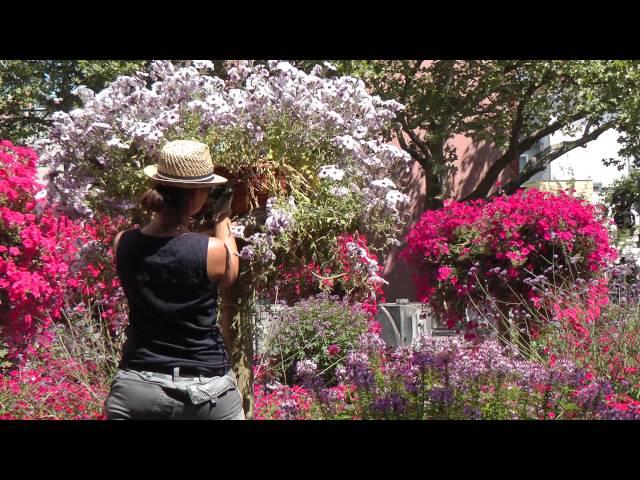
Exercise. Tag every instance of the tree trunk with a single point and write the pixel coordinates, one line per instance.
(433, 198)
(434, 183)
(489, 179)
(242, 351)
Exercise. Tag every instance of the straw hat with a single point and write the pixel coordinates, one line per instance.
(185, 164)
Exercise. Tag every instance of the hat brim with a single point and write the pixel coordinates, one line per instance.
(151, 171)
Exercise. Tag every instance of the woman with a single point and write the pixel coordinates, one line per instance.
(175, 364)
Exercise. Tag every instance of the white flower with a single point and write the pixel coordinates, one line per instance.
(247, 252)
(360, 132)
(332, 172)
(60, 117)
(172, 118)
(384, 183)
(278, 220)
(377, 280)
(116, 142)
(76, 113)
(373, 264)
(203, 64)
(339, 191)
(238, 231)
(393, 105)
(347, 143)
(394, 197)
(317, 71)
(286, 68)
(84, 93)
(101, 125)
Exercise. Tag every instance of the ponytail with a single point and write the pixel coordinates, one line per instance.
(163, 197)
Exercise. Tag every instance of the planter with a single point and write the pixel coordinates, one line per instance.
(251, 190)
(240, 202)
(260, 187)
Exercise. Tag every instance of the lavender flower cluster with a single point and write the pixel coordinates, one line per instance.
(448, 375)
(261, 243)
(136, 113)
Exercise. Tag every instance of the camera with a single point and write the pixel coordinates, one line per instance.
(218, 202)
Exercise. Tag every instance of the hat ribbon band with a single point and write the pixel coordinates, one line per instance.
(193, 178)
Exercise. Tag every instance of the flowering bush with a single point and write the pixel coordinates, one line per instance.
(448, 378)
(584, 363)
(270, 114)
(321, 329)
(276, 128)
(43, 384)
(493, 249)
(600, 336)
(352, 271)
(53, 271)
(47, 264)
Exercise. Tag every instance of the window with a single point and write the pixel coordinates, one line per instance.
(522, 162)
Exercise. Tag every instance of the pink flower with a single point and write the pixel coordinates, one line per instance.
(444, 273)
(333, 350)
(375, 327)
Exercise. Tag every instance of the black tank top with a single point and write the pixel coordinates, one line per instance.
(172, 304)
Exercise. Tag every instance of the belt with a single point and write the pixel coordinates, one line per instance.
(184, 371)
(198, 392)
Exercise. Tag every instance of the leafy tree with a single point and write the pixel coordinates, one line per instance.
(31, 90)
(512, 104)
(623, 196)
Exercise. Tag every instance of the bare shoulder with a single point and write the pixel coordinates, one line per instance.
(216, 258)
(216, 249)
(116, 239)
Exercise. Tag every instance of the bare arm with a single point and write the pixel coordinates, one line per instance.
(228, 308)
(222, 259)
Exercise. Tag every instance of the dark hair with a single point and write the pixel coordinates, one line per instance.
(163, 197)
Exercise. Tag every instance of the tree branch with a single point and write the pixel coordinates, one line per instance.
(415, 139)
(408, 79)
(417, 156)
(543, 159)
(483, 188)
(539, 134)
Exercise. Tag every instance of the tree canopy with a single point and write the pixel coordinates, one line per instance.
(512, 104)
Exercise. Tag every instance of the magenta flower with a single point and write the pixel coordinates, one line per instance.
(333, 350)
(444, 273)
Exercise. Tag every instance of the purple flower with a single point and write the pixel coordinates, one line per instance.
(390, 403)
(441, 395)
(358, 370)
